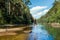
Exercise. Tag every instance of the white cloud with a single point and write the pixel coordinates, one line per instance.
(39, 14)
(36, 14)
(35, 9)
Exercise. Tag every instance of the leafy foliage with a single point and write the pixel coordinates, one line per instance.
(53, 15)
(15, 12)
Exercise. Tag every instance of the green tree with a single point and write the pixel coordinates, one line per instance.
(53, 14)
(16, 12)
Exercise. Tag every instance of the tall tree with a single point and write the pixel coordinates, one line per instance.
(16, 11)
(53, 14)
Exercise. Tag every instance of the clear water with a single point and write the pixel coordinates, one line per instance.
(39, 33)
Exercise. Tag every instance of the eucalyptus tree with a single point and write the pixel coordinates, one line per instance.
(53, 15)
(17, 12)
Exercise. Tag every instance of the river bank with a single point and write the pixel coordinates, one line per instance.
(21, 36)
(17, 33)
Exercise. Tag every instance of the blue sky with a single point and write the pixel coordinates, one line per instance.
(40, 7)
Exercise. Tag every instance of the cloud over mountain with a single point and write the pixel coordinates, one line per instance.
(36, 11)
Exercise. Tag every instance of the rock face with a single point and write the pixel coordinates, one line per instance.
(15, 12)
(53, 15)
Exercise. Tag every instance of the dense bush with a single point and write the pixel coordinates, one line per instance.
(15, 12)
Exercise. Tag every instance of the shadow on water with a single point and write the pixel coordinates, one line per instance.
(39, 33)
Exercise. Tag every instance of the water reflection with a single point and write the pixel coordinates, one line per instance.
(39, 33)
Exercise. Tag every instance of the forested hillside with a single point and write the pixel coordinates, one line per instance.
(52, 20)
(53, 15)
(15, 12)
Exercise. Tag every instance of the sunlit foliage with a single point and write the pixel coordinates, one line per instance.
(53, 14)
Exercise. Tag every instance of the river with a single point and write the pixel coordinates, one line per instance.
(39, 33)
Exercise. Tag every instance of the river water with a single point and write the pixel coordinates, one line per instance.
(39, 33)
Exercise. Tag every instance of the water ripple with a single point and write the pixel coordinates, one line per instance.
(39, 33)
